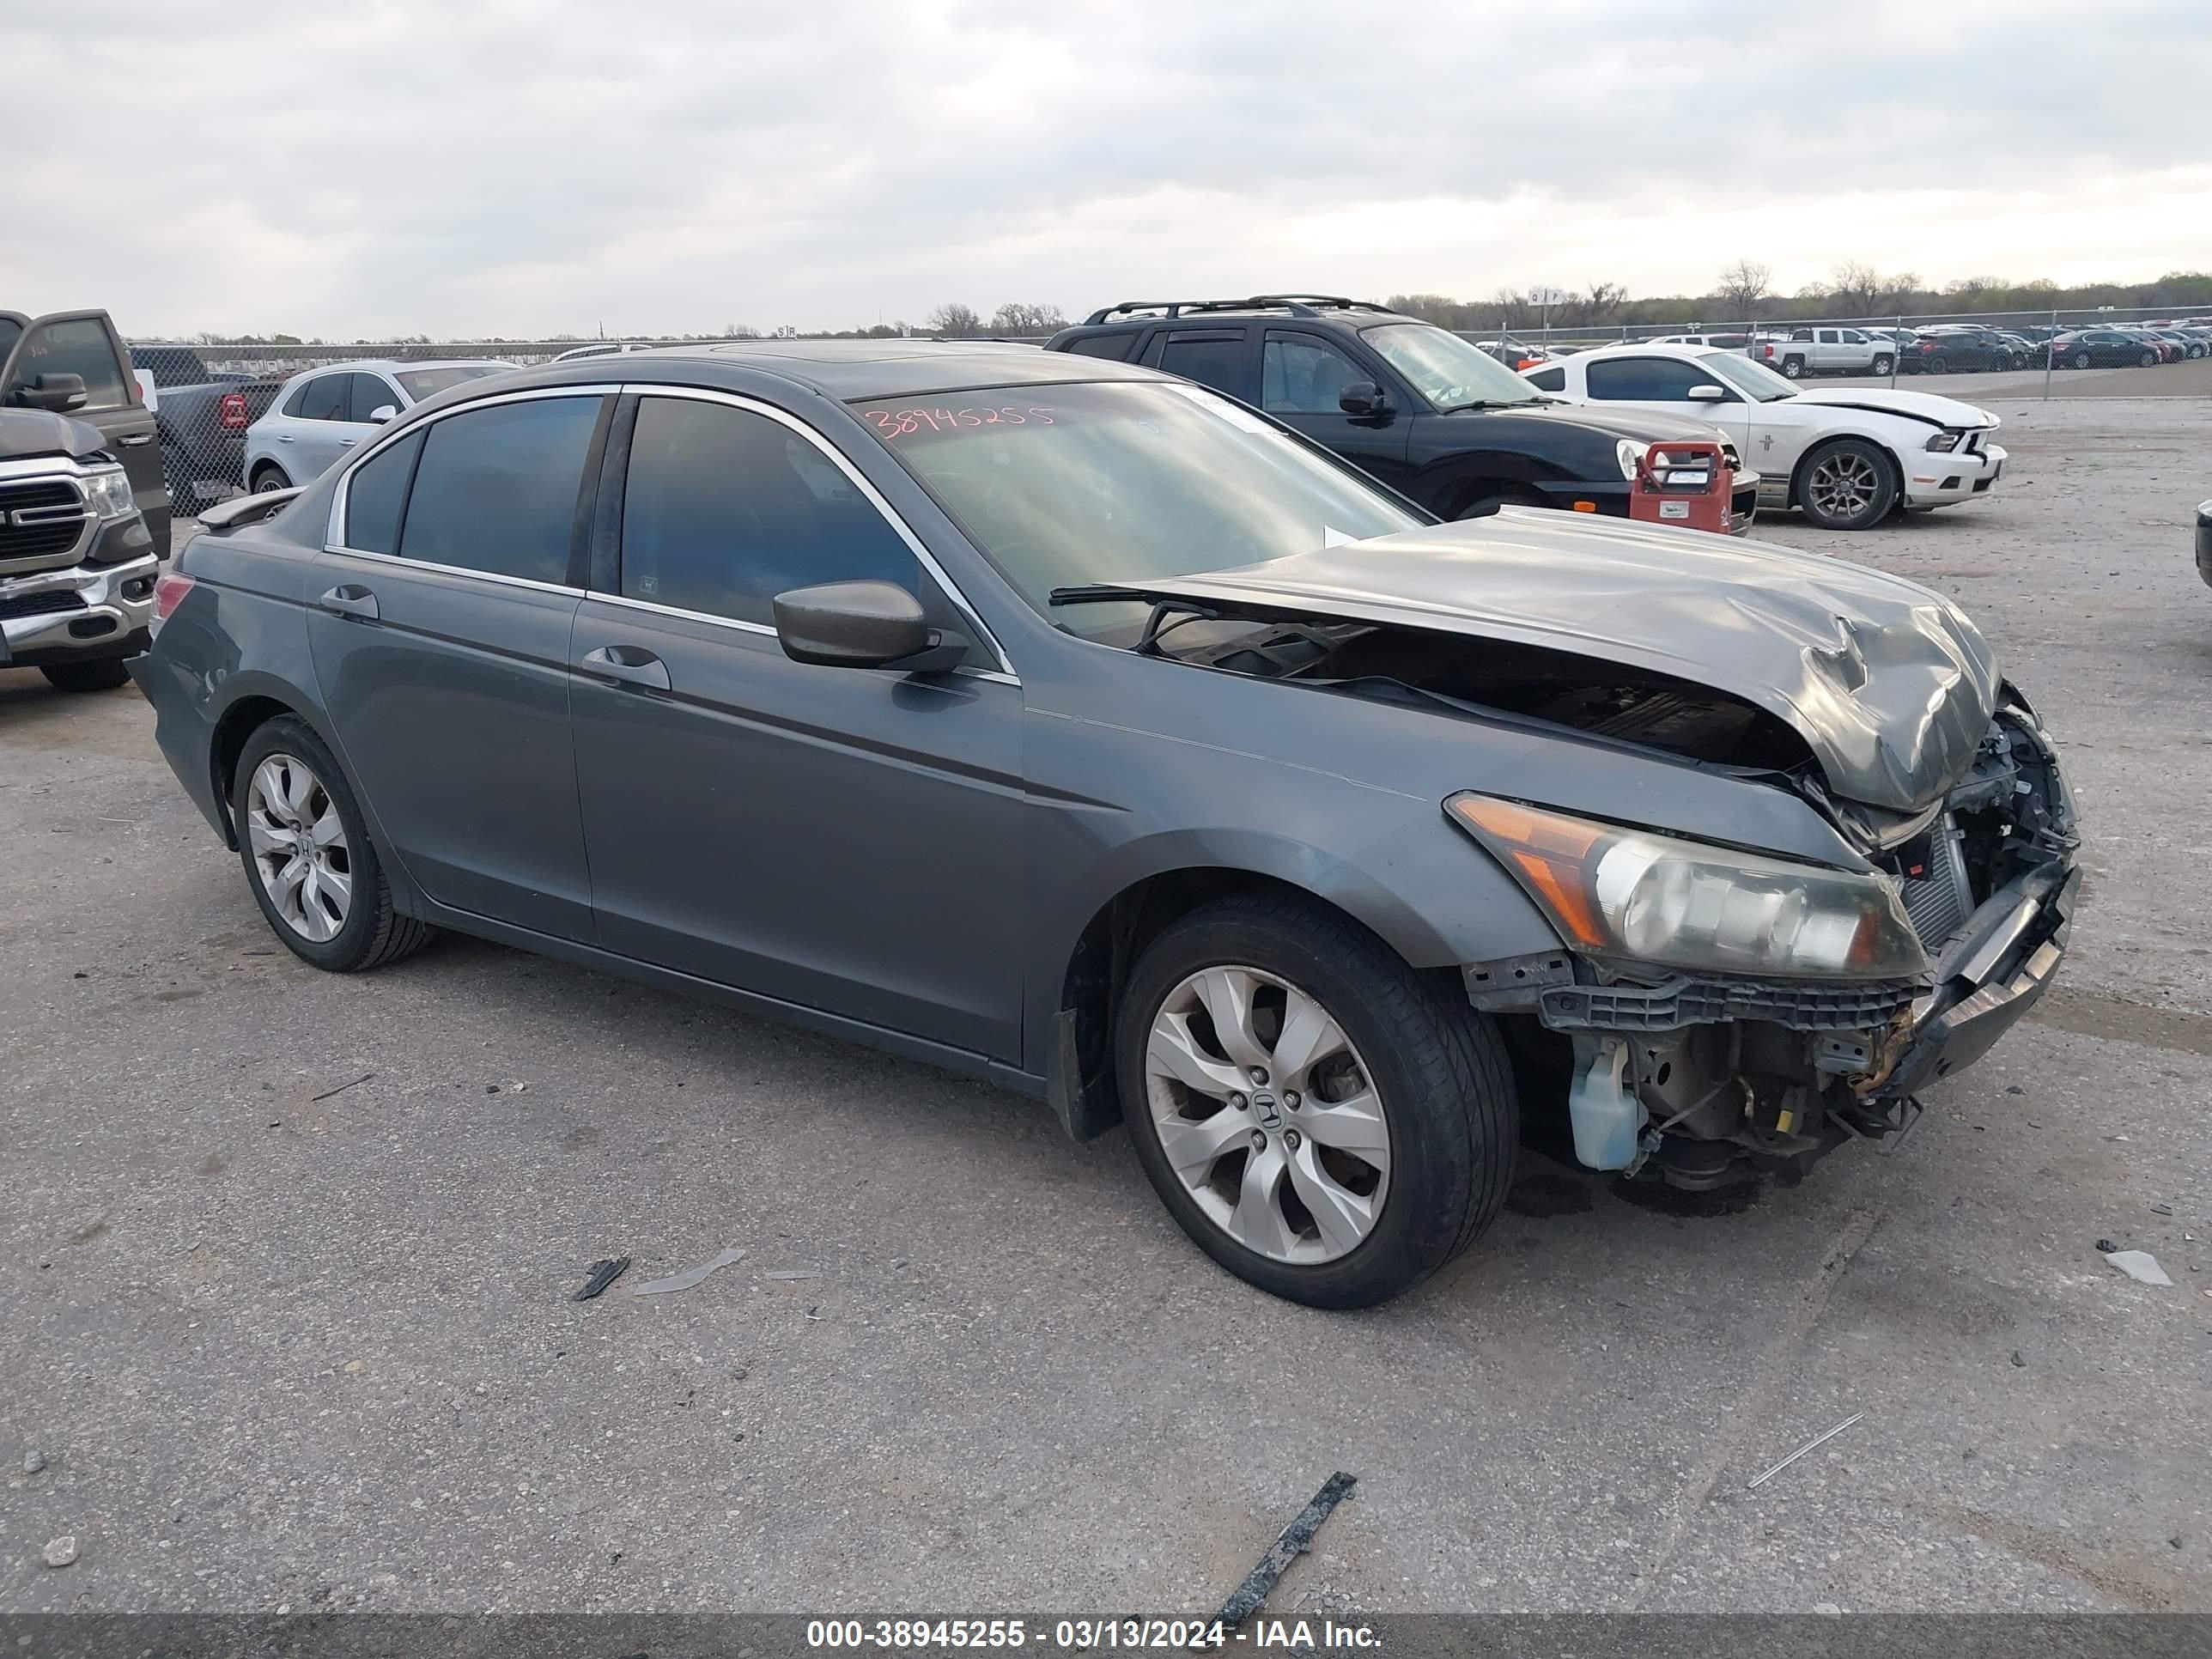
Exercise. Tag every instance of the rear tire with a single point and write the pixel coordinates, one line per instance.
(104, 676)
(1847, 483)
(1434, 1070)
(1939, 364)
(340, 935)
(2081, 360)
(268, 477)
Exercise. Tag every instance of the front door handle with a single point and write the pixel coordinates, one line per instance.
(347, 443)
(133, 440)
(350, 599)
(626, 665)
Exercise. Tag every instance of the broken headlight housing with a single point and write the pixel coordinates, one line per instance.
(1946, 441)
(1634, 896)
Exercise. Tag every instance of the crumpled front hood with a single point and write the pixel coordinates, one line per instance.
(1889, 684)
(37, 433)
(1919, 405)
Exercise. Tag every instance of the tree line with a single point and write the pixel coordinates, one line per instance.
(1745, 292)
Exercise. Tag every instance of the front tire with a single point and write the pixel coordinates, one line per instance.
(2149, 358)
(1882, 365)
(1847, 484)
(1323, 1122)
(104, 676)
(308, 859)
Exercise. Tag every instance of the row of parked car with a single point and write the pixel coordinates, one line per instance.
(1940, 348)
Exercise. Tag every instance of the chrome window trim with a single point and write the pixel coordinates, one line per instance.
(334, 531)
(736, 624)
(874, 496)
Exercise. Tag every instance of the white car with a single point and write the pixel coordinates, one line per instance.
(323, 413)
(1844, 457)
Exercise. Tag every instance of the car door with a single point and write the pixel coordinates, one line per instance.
(1302, 375)
(370, 393)
(1828, 349)
(1665, 383)
(85, 343)
(840, 839)
(310, 437)
(439, 620)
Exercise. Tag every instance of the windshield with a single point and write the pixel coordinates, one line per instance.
(1755, 380)
(1123, 481)
(1449, 371)
(421, 383)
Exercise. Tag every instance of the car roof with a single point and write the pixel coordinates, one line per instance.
(393, 366)
(847, 370)
(1658, 349)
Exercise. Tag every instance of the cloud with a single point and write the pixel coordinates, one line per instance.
(522, 168)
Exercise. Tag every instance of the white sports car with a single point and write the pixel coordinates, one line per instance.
(1843, 456)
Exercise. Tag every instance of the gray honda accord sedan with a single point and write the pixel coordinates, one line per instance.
(1067, 724)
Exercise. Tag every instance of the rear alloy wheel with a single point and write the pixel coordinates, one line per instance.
(2081, 360)
(307, 854)
(268, 478)
(1793, 367)
(103, 676)
(1939, 364)
(1882, 365)
(1847, 484)
(1323, 1122)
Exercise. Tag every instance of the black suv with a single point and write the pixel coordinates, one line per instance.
(1427, 411)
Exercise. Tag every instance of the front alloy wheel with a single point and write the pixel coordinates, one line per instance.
(1847, 485)
(300, 848)
(1267, 1116)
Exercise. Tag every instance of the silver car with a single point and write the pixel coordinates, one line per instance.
(324, 412)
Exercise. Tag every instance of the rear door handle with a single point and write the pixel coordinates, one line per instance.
(626, 665)
(350, 599)
(283, 437)
(347, 443)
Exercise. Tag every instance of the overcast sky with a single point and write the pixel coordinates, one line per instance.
(458, 168)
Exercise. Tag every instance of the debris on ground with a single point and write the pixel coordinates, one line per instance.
(688, 1278)
(602, 1274)
(34, 1461)
(2161, 1209)
(353, 1083)
(1814, 1443)
(2106, 1247)
(1297, 1538)
(60, 1552)
(794, 1272)
(2140, 1265)
(2017, 1360)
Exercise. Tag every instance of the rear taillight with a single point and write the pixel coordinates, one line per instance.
(1766, 351)
(231, 412)
(169, 590)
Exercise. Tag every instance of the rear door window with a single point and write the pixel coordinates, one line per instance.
(495, 490)
(724, 508)
(1548, 380)
(325, 397)
(1220, 358)
(376, 494)
(79, 346)
(1115, 347)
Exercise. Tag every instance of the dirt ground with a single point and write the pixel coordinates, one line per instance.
(285, 1258)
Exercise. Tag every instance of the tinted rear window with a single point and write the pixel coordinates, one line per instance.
(1113, 346)
(421, 383)
(495, 490)
(375, 495)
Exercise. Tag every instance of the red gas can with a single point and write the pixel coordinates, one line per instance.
(1686, 482)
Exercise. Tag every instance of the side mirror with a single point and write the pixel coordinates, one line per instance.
(869, 625)
(382, 413)
(1363, 398)
(57, 394)
(1707, 394)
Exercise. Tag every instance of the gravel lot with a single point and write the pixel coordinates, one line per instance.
(286, 1258)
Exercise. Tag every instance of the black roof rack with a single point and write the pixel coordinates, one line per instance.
(1298, 305)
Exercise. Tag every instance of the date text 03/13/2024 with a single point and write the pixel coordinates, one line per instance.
(1091, 1634)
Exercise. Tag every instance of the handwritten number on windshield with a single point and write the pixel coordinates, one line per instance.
(903, 422)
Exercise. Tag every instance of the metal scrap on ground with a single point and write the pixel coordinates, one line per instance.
(1817, 1441)
(1287, 1548)
(688, 1278)
(604, 1273)
(2141, 1265)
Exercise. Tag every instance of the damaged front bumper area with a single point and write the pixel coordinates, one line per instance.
(1700, 1080)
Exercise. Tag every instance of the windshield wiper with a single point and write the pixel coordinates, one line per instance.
(1491, 402)
(1091, 593)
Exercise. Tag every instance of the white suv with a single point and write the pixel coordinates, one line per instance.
(323, 413)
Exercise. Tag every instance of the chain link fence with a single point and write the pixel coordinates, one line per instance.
(2043, 343)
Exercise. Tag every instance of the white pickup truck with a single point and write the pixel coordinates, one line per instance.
(1801, 351)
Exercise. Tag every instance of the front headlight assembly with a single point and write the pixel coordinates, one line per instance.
(1633, 895)
(108, 490)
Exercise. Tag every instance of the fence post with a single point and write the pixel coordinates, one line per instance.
(1897, 352)
(2050, 350)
